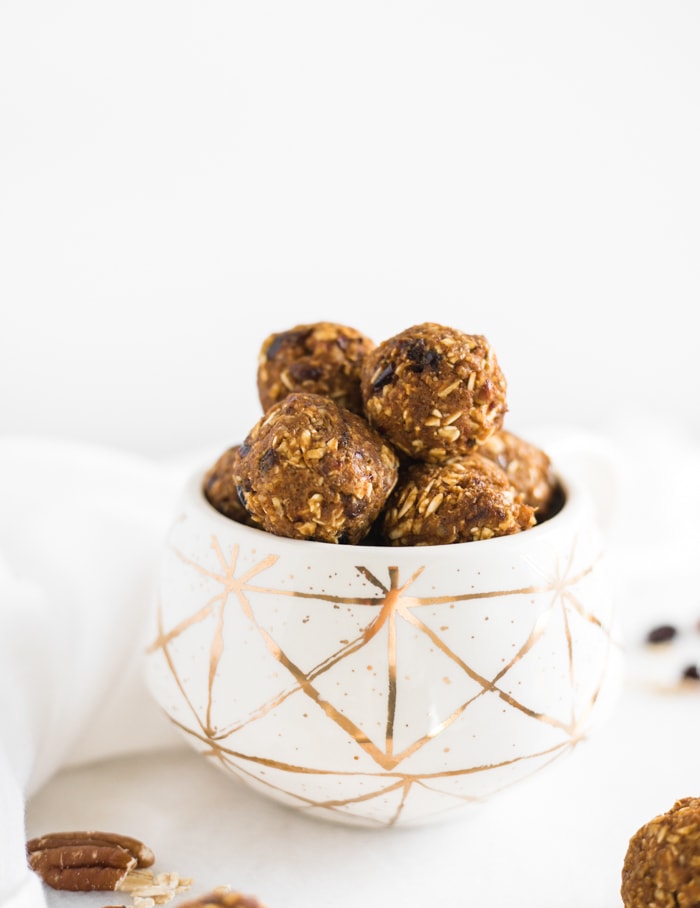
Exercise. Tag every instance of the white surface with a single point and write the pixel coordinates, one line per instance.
(558, 840)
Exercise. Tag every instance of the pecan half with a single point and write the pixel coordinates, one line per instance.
(101, 861)
(84, 861)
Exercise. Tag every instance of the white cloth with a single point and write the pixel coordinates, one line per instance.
(80, 531)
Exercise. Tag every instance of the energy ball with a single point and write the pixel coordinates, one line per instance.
(223, 897)
(321, 358)
(434, 392)
(310, 469)
(527, 467)
(662, 864)
(220, 488)
(462, 500)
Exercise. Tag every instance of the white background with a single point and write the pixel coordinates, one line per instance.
(179, 179)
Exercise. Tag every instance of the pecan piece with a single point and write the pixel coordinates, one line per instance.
(101, 861)
(84, 861)
(141, 854)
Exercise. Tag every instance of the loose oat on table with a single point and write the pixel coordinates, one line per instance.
(320, 358)
(527, 467)
(661, 868)
(220, 487)
(463, 500)
(312, 470)
(434, 391)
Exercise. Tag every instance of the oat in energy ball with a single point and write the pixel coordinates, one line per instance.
(321, 358)
(465, 499)
(434, 391)
(312, 470)
(662, 865)
(220, 487)
(527, 467)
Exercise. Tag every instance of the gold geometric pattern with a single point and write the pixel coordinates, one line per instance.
(388, 771)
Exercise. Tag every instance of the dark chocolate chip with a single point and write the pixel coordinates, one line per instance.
(301, 372)
(285, 337)
(353, 507)
(662, 634)
(267, 461)
(422, 357)
(344, 439)
(384, 377)
(691, 673)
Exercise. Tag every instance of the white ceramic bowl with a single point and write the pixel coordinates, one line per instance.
(381, 686)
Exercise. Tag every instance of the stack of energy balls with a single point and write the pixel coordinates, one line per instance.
(399, 443)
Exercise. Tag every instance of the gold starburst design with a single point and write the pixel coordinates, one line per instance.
(389, 724)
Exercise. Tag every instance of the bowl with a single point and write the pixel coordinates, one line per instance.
(383, 686)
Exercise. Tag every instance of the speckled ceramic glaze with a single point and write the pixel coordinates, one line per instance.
(382, 686)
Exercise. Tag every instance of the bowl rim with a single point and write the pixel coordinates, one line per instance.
(572, 511)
